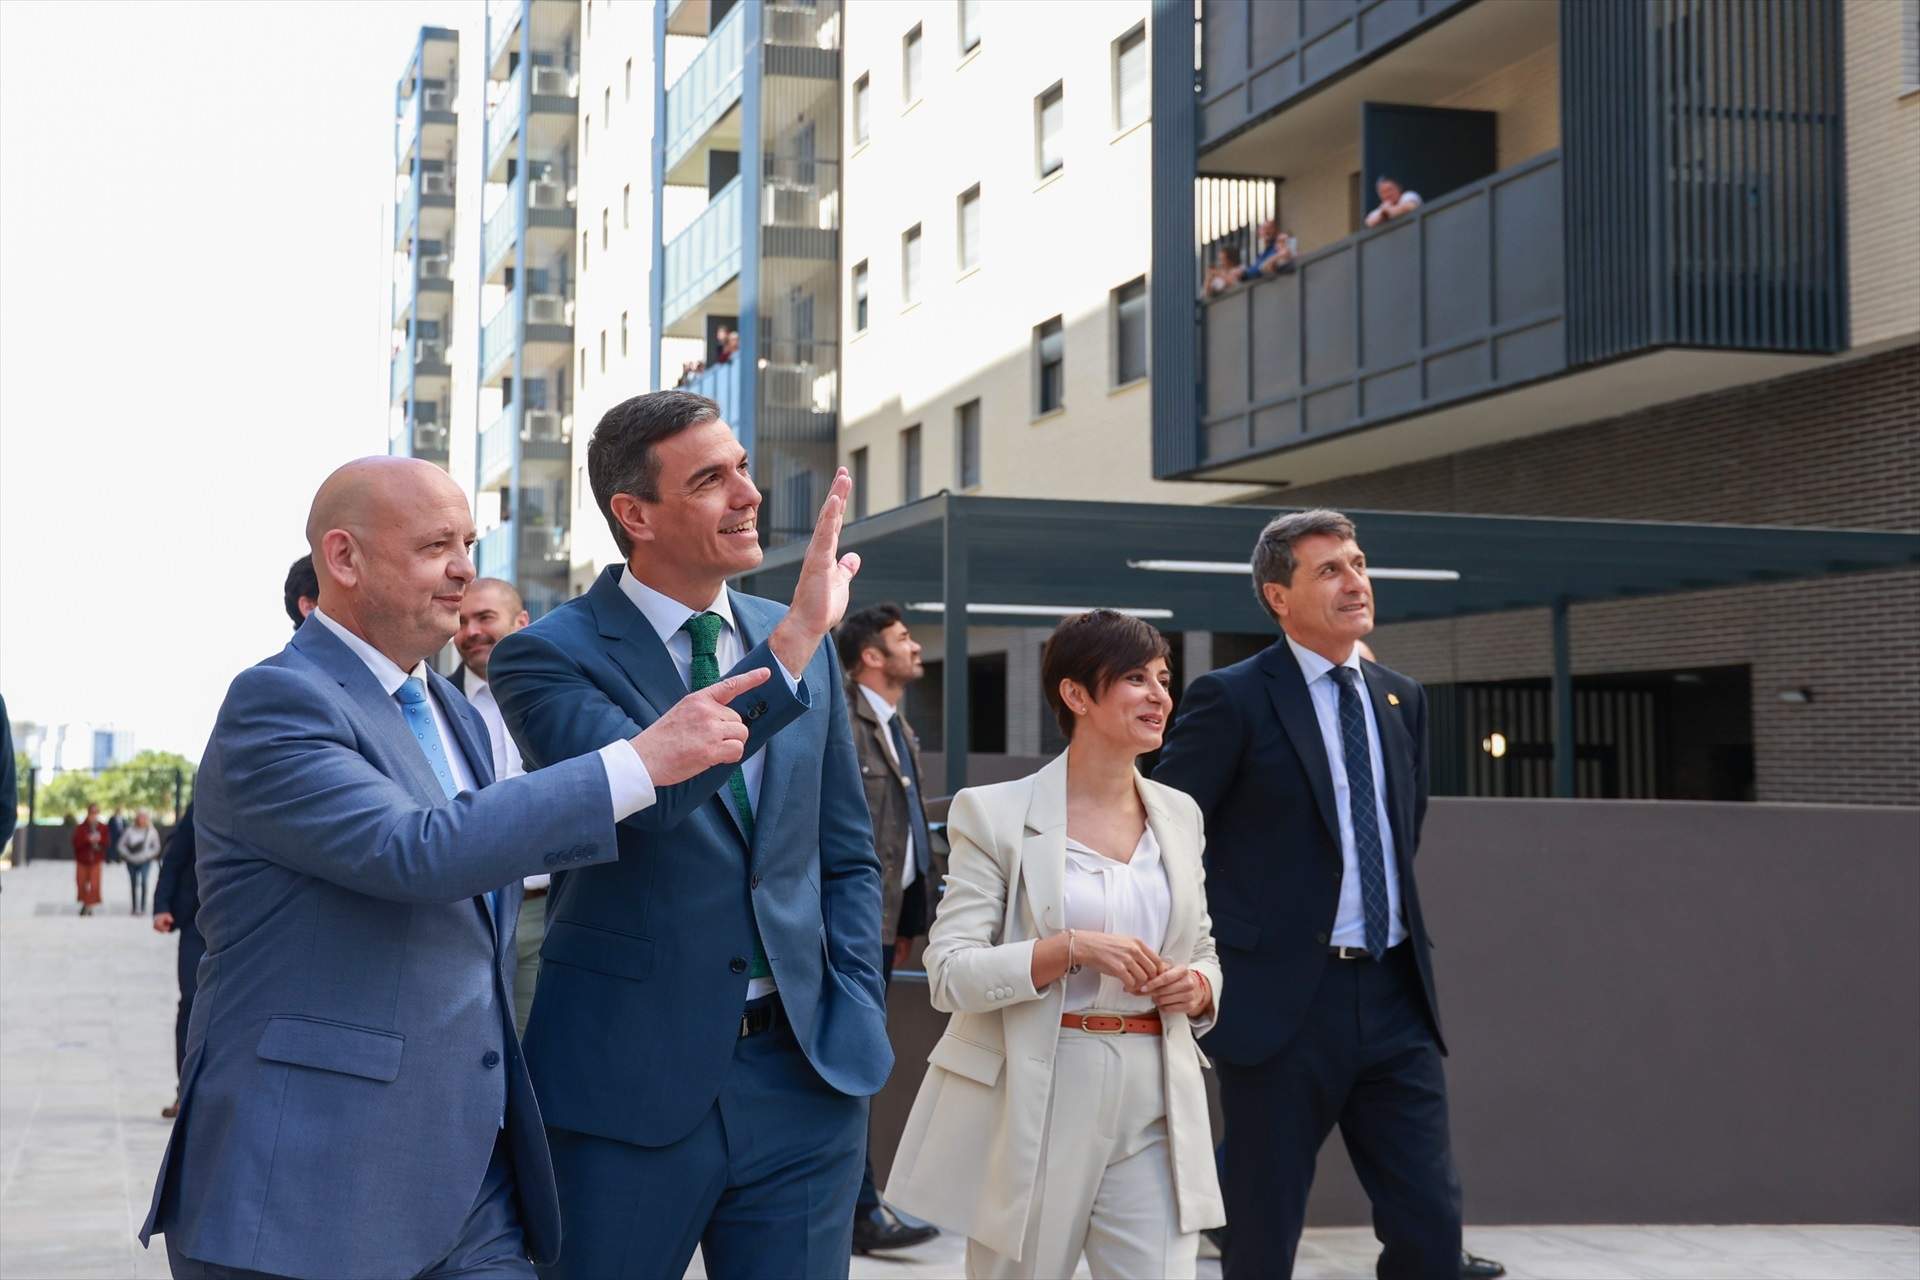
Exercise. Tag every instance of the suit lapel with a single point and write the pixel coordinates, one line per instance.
(383, 719)
(1396, 744)
(477, 748)
(783, 751)
(864, 712)
(1287, 686)
(1179, 857)
(1043, 855)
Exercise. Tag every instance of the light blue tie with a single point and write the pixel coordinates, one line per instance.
(412, 697)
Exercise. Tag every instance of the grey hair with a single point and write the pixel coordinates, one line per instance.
(1273, 559)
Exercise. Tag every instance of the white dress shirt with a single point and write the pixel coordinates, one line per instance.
(1132, 899)
(506, 752)
(1350, 920)
(909, 868)
(628, 785)
(666, 616)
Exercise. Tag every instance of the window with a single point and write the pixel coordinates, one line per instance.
(967, 228)
(626, 90)
(603, 351)
(910, 266)
(603, 228)
(623, 333)
(1049, 129)
(1127, 307)
(860, 297)
(1049, 367)
(1132, 94)
(859, 470)
(583, 251)
(626, 207)
(910, 464)
(969, 26)
(862, 101)
(966, 433)
(910, 66)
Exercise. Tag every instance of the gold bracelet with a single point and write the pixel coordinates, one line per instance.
(1072, 968)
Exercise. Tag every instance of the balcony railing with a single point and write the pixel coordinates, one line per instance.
(542, 542)
(720, 384)
(503, 21)
(710, 85)
(1462, 297)
(399, 377)
(503, 125)
(493, 554)
(704, 256)
(406, 212)
(496, 446)
(498, 338)
(496, 239)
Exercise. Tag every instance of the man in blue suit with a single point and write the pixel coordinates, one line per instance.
(353, 1102)
(710, 1018)
(1310, 767)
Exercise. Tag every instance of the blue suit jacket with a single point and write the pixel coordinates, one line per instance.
(351, 1052)
(1246, 745)
(642, 976)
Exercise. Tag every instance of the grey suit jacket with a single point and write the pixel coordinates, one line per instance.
(351, 1058)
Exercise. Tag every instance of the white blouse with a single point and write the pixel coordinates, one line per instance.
(1132, 899)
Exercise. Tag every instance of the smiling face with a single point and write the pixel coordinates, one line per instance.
(704, 528)
(1130, 714)
(489, 613)
(1328, 604)
(1388, 190)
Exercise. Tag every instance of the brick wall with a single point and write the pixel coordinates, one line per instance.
(1837, 447)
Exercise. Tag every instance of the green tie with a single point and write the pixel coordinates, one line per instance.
(705, 630)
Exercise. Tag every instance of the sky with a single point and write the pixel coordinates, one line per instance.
(195, 223)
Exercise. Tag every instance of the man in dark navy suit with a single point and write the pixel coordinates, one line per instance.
(1310, 765)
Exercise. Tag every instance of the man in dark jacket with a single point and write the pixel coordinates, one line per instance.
(176, 903)
(881, 659)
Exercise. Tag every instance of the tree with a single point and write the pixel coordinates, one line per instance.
(146, 782)
(68, 794)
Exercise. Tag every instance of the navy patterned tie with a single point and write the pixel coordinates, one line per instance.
(1365, 812)
(916, 812)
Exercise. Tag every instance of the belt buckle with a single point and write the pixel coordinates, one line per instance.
(746, 1028)
(1088, 1019)
(1349, 953)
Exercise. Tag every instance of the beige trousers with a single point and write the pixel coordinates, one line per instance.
(527, 937)
(1105, 1182)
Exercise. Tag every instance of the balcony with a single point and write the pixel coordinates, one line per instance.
(430, 441)
(543, 546)
(503, 26)
(498, 236)
(496, 448)
(493, 553)
(503, 125)
(705, 93)
(702, 258)
(498, 338)
(720, 384)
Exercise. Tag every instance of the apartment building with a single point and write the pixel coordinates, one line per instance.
(995, 252)
(1666, 268)
(425, 151)
(524, 369)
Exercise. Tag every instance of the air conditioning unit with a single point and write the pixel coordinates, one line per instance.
(789, 386)
(437, 99)
(436, 184)
(552, 82)
(543, 426)
(429, 353)
(547, 195)
(792, 205)
(438, 267)
(546, 308)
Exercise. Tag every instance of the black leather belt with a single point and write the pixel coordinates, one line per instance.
(759, 1015)
(1359, 953)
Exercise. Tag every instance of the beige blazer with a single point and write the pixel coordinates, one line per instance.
(970, 1155)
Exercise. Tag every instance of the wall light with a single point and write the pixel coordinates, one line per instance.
(1239, 566)
(1795, 695)
(1035, 610)
(1494, 744)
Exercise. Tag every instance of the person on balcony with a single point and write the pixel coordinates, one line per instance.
(1395, 201)
(1277, 249)
(1226, 271)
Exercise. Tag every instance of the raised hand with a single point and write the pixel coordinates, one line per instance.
(826, 578)
(698, 732)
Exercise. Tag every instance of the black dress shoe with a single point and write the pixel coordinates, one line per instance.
(1474, 1267)
(879, 1230)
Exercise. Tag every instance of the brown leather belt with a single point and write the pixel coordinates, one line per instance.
(530, 894)
(1112, 1024)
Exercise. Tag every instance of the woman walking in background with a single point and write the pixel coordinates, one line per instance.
(139, 846)
(1063, 1112)
(90, 845)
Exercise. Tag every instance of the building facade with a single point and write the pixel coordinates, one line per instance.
(1664, 269)
(426, 139)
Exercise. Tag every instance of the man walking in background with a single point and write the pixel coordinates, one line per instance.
(881, 659)
(491, 611)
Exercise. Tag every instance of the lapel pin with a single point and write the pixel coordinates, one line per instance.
(1393, 700)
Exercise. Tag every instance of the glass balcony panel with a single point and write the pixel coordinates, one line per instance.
(496, 241)
(710, 85)
(503, 124)
(493, 554)
(503, 24)
(496, 448)
(720, 384)
(704, 256)
(399, 377)
(497, 339)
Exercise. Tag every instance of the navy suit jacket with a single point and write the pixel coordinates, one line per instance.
(351, 1055)
(1246, 745)
(643, 973)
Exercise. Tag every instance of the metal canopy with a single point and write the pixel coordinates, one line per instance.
(968, 554)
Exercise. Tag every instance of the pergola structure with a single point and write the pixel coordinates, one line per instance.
(1028, 562)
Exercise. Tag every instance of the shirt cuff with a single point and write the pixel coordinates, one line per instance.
(627, 779)
(793, 681)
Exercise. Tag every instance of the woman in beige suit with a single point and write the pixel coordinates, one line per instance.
(1063, 1111)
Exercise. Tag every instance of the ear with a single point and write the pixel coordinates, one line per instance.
(521, 619)
(341, 555)
(1075, 696)
(1276, 597)
(632, 515)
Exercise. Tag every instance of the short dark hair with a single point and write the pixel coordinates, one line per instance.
(512, 593)
(301, 581)
(621, 457)
(862, 631)
(1273, 559)
(1093, 649)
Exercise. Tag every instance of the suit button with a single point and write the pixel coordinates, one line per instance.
(754, 883)
(489, 1059)
(737, 965)
(1321, 938)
